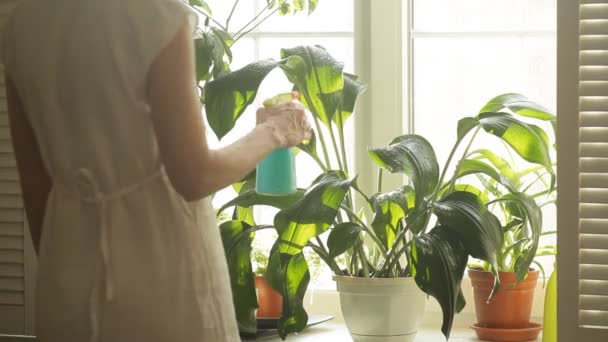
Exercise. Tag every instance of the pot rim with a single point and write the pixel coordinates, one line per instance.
(374, 281)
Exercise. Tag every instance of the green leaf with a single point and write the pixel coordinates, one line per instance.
(295, 281)
(480, 229)
(533, 215)
(522, 137)
(284, 8)
(312, 6)
(298, 5)
(311, 147)
(321, 77)
(438, 260)
(203, 48)
(465, 125)
(238, 258)
(468, 188)
(520, 105)
(342, 237)
(202, 4)
(251, 198)
(313, 214)
(348, 99)
(414, 156)
(474, 166)
(227, 97)
(389, 209)
(500, 164)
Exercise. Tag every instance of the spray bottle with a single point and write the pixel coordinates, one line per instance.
(276, 174)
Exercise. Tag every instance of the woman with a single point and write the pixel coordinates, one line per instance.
(115, 170)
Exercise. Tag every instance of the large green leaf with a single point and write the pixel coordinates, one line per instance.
(474, 166)
(295, 281)
(348, 99)
(389, 209)
(525, 139)
(227, 97)
(238, 253)
(532, 214)
(313, 214)
(438, 260)
(251, 198)
(480, 229)
(342, 237)
(520, 105)
(319, 81)
(414, 156)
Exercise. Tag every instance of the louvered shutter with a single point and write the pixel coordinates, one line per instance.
(16, 259)
(583, 170)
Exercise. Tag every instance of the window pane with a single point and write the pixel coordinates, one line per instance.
(484, 15)
(330, 16)
(454, 78)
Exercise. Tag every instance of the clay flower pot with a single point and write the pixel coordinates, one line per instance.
(269, 300)
(511, 306)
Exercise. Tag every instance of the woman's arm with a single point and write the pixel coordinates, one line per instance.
(194, 169)
(35, 181)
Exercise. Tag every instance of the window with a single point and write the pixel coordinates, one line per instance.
(463, 53)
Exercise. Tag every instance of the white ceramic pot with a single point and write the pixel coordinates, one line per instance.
(381, 310)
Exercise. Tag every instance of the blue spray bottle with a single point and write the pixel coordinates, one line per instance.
(276, 174)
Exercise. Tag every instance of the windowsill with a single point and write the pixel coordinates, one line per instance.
(327, 302)
(333, 331)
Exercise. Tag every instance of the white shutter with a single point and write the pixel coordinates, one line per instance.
(16, 261)
(583, 170)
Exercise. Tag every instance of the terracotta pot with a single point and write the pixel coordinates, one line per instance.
(269, 300)
(511, 306)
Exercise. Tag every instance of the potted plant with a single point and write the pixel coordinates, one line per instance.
(511, 307)
(399, 245)
(270, 301)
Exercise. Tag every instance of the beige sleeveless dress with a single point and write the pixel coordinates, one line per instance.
(123, 256)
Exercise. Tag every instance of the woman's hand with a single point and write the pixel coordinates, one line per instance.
(287, 122)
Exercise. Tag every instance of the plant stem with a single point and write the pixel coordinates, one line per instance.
(340, 127)
(336, 150)
(255, 26)
(319, 162)
(321, 245)
(445, 169)
(236, 2)
(392, 252)
(466, 152)
(379, 185)
(356, 218)
(363, 258)
(208, 16)
(330, 262)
